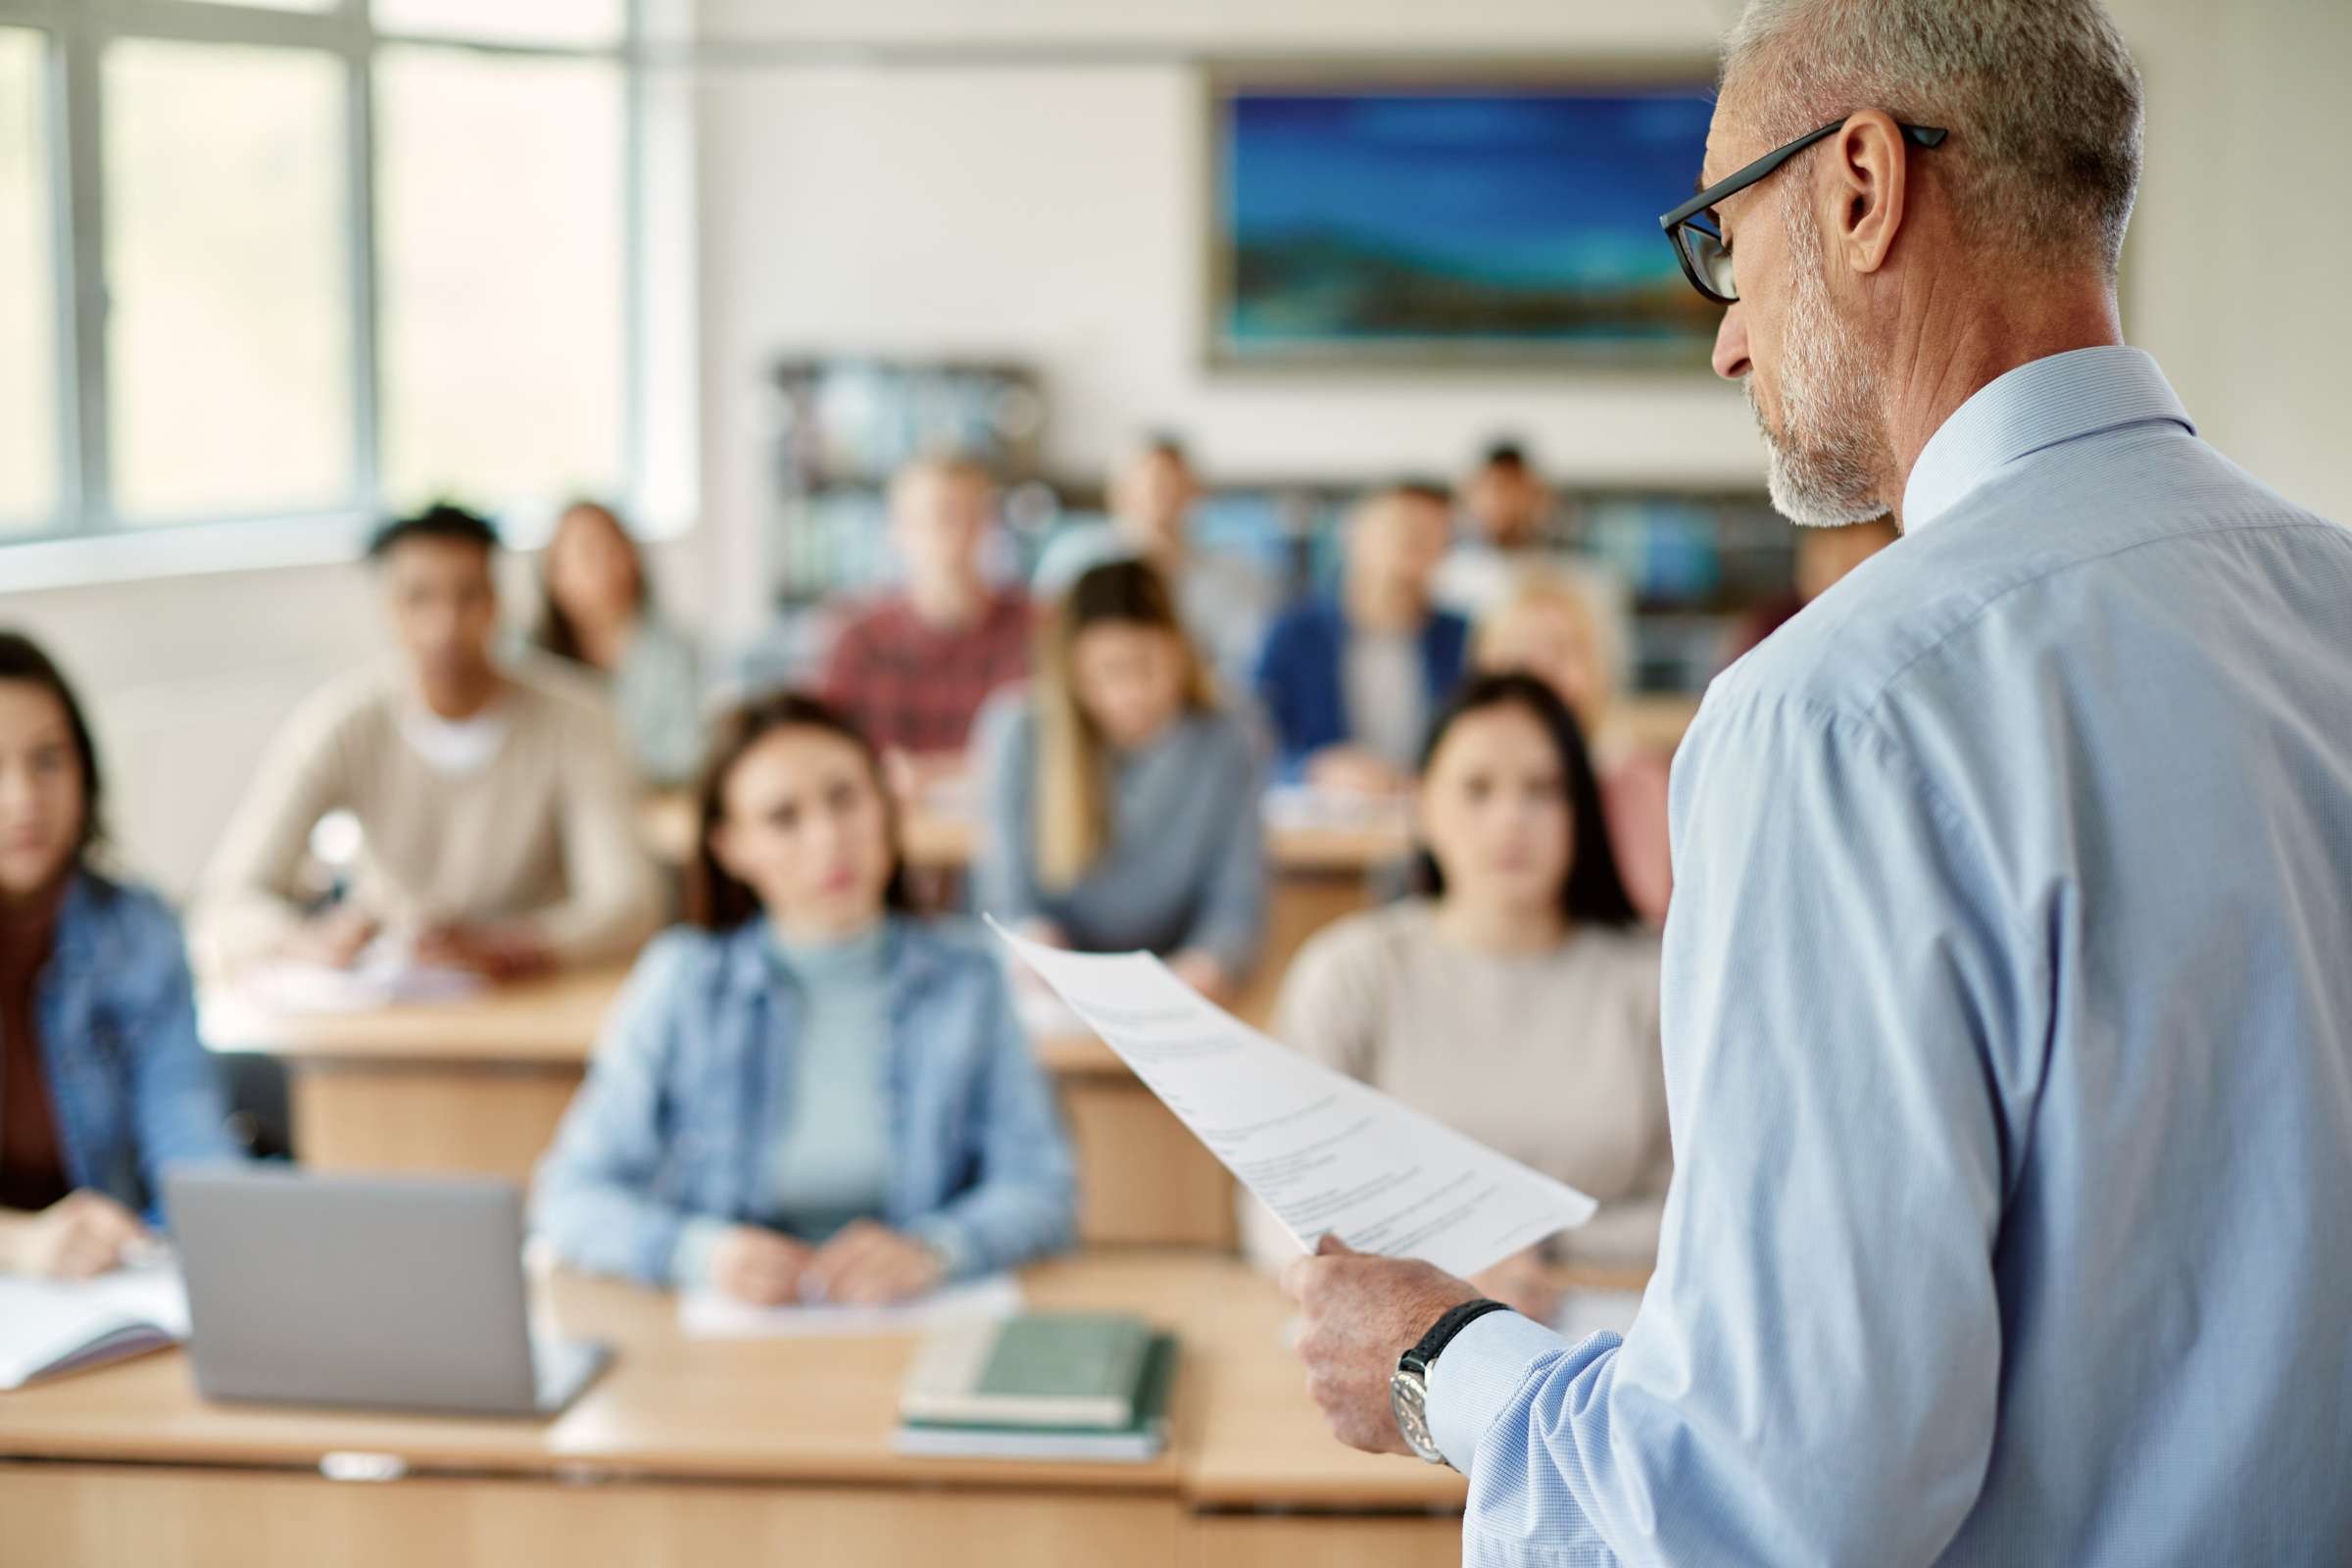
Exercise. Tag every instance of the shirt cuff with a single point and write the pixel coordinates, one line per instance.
(1477, 1375)
(690, 1254)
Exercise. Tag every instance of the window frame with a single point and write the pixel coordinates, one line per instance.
(86, 537)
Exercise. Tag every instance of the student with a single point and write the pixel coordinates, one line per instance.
(1503, 507)
(103, 1081)
(1121, 800)
(1562, 625)
(807, 1094)
(1349, 683)
(598, 611)
(912, 670)
(1224, 600)
(496, 814)
(1517, 999)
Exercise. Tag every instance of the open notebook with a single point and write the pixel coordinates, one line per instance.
(53, 1326)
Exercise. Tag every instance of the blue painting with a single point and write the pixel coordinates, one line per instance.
(1472, 223)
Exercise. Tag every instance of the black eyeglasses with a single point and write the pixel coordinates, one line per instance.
(1697, 236)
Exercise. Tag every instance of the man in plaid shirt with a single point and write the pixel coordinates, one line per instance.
(913, 668)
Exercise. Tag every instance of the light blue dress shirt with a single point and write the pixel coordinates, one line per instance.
(2008, 1039)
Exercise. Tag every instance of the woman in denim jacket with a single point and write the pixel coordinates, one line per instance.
(807, 1094)
(102, 1082)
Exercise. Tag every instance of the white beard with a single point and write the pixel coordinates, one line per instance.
(1828, 455)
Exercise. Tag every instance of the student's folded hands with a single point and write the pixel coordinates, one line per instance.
(758, 1266)
(866, 1264)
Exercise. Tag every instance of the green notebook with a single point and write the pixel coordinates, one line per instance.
(1038, 1369)
(1141, 1437)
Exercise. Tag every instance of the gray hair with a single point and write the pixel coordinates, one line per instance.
(2041, 96)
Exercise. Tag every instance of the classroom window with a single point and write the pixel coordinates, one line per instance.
(229, 331)
(500, 256)
(307, 262)
(29, 467)
(585, 22)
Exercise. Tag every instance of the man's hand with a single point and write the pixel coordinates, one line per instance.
(498, 953)
(758, 1266)
(82, 1234)
(866, 1264)
(1358, 1314)
(333, 937)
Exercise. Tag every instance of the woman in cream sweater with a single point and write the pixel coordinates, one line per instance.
(1517, 997)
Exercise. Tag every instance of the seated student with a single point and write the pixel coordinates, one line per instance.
(1121, 800)
(807, 1094)
(497, 819)
(1517, 999)
(598, 613)
(102, 1082)
(1561, 624)
(1349, 683)
(1224, 600)
(911, 671)
(1503, 505)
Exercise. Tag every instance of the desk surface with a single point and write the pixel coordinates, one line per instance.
(804, 1411)
(546, 1021)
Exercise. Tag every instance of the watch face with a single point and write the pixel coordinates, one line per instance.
(1409, 1398)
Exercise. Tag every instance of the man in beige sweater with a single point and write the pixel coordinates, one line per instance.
(498, 829)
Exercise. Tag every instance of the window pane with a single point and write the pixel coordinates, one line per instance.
(498, 194)
(570, 21)
(229, 343)
(28, 291)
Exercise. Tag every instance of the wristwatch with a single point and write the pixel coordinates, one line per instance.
(1409, 1384)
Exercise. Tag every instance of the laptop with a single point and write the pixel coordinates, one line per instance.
(375, 1292)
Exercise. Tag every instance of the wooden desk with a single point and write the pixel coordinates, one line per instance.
(475, 1084)
(723, 1452)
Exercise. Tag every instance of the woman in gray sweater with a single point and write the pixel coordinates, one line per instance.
(1121, 800)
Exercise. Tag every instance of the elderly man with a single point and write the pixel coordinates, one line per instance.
(2008, 1019)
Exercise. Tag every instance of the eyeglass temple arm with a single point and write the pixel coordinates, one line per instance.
(1917, 135)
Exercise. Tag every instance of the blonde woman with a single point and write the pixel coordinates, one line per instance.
(1121, 800)
(1563, 627)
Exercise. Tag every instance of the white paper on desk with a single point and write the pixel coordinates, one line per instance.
(1320, 1150)
(53, 1326)
(706, 1315)
(383, 974)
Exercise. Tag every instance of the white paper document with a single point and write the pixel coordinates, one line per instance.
(706, 1315)
(52, 1326)
(1324, 1153)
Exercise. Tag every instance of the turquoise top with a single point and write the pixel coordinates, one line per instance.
(827, 1156)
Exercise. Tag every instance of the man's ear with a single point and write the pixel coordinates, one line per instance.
(1868, 170)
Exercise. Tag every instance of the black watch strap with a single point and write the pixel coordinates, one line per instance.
(1441, 1334)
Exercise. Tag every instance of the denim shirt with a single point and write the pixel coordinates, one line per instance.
(687, 1076)
(130, 1085)
(1302, 681)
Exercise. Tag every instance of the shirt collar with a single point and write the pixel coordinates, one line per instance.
(2039, 404)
